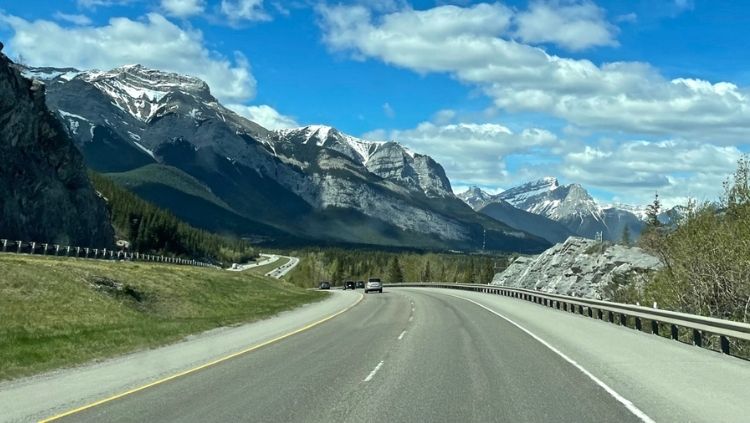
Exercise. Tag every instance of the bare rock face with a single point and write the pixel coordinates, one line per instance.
(45, 194)
(578, 266)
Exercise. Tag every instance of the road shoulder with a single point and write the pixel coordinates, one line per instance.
(44, 395)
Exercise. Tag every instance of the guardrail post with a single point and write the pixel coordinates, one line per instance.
(590, 312)
(5, 245)
(611, 316)
(580, 309)
(44, 249)
(20, 246)
(599, 314)
(33, 247)
(57, 249)
(697, 338)
(623, 319)
(638, 323)
(724, 342)
(674, 332)
(655, 327)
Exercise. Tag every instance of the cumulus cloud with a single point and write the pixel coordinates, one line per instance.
(265, 116)
(153, 41)
(574, 26)
(472, 44)
(244, 10)
(634, 170)
(470, 152)
(183, 8)
(72, 18)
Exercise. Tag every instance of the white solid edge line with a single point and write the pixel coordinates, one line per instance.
(372, 373)
(400, 337)
(624, 401)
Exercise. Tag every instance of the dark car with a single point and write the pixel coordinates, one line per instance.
(325, 285)
(349, 285)
(360, 284)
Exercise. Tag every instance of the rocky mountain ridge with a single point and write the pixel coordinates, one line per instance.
(570, 205)
(313, 183)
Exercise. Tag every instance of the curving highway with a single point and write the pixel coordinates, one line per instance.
(434, 355)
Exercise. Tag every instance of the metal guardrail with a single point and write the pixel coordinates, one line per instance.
(46, 249)
(616, 312)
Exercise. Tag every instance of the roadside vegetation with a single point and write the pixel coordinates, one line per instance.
(57, 312)
(338, 265)
(706, 255)
(153, 230)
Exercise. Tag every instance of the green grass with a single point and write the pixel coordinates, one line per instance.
(52, 314)
(262, 270)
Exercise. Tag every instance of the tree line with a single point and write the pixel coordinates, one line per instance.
(705, 253)
(152, 230)
(339, 265)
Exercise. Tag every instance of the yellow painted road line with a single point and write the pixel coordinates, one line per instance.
(203, 366)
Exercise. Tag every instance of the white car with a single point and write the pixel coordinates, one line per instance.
(373, 284)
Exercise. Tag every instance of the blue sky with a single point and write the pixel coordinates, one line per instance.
(624, 97)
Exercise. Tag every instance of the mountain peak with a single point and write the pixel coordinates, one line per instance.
(137, 80)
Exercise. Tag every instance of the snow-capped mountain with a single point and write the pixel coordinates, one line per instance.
(570, 205)
(475, 197)
(388, 160)
(311, 183)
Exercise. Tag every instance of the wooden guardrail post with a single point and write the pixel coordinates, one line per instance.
(20, 246)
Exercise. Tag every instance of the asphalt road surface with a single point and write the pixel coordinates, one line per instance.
(406, 355)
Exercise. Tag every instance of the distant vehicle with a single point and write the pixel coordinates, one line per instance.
(235, 266)
(360, 284)
(373, 284)
(325, 285)
(349, 285)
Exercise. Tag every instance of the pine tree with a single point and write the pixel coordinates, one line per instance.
(652, 212)
(394, 274)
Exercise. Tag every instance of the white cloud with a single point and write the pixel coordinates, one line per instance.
(90, 4)
(153, 41)
(677, 169)
(470, 152)
(244, 10)
(472, 44)
(74, 19)
(183, 8)
(265, 116)
(574, 26)
(388, 110)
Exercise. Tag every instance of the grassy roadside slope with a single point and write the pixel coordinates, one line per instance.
(58, 312)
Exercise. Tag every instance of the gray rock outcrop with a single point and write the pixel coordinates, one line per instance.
(578, 266)
(45, 194)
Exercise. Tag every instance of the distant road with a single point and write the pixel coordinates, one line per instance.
(413, 355)
(278, 273)
(282, 270)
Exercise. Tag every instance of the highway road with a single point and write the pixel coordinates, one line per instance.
(413, 355)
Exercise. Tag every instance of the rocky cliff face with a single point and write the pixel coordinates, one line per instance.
(45, 194)
(579, 267)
